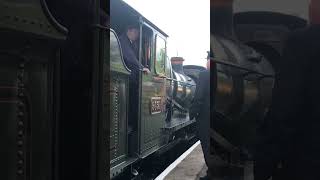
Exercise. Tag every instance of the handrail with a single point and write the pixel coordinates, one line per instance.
(248, 71)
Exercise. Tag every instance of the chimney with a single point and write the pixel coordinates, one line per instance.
(177, 64)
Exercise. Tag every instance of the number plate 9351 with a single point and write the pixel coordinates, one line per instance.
(155, 107)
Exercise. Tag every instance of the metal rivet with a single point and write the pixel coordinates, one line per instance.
(20, 143)
(20, 153)
(20, 162)
(20, 123)
(20, 76)
(21, 94)
(21, 65)
(20, 104)
(20, 171)
(21, 114)
(20, 133)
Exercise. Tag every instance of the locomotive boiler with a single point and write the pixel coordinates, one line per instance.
(183, 87)
(245, 64)
(243, 83)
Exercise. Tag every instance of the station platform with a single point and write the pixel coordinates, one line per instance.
(191, 166)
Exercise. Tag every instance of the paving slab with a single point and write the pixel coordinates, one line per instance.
(191, 168)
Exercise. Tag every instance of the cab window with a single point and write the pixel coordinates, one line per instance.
(115, 54)
(160, 55)
(146, 46)
(168, 67)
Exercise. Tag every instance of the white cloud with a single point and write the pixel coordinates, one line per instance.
(187, 22)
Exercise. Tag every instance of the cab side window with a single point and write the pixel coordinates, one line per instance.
(160, 59)
(115, 55)
(168, 68)
(146, 46)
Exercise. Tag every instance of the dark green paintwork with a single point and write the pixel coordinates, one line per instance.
(118, 93)
(29, 82)
(153, 86)
(29, 17)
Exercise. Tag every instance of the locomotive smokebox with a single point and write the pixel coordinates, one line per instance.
(177, 64)
(184, 86)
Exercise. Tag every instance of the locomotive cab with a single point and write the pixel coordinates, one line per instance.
(143, 137)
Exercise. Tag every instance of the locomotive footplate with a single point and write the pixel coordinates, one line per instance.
(114, 171)
(178, 123)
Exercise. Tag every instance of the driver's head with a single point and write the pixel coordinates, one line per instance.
(314, 11)
(133, 32)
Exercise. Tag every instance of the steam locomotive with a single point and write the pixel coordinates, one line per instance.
(64, 98)
(52, 55)
(165, 95)
(247, 48)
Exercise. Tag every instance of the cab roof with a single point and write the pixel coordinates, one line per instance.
(120, 8)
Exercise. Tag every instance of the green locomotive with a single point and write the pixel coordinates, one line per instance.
(164, 98)
(29, 80)
(51, 55)
(64, 98)
(247, 48)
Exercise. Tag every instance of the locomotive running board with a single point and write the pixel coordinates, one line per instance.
(119, 168)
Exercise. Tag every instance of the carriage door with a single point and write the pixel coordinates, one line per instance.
(153, 90)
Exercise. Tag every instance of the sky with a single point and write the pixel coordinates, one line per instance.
(187, 22)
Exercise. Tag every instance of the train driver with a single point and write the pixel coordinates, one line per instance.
(129, 45)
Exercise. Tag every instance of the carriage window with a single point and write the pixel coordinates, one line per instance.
(160, 56)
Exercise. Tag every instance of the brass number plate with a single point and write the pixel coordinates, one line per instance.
(155, 107)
